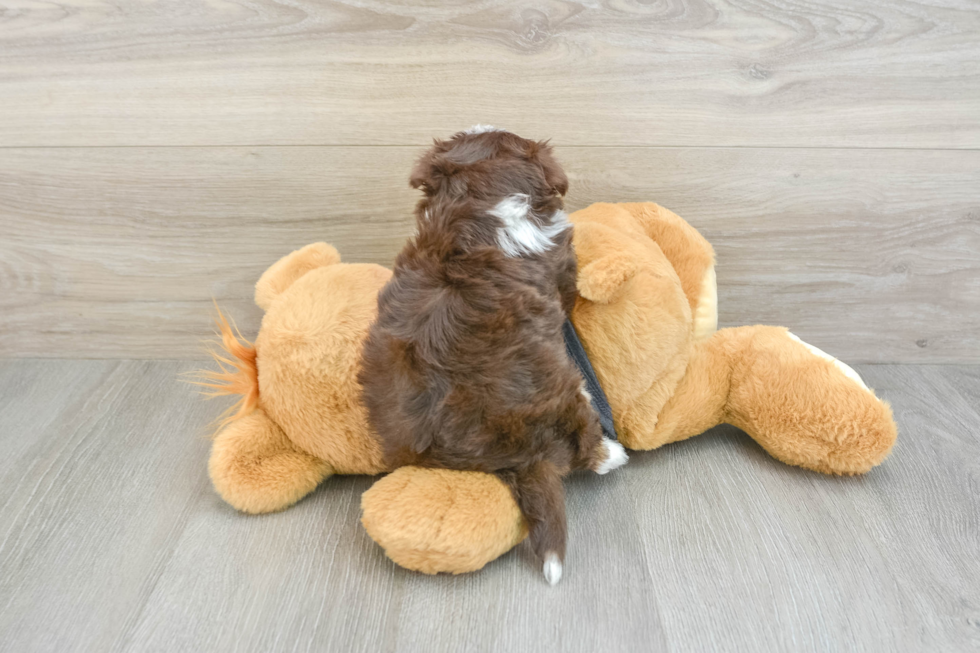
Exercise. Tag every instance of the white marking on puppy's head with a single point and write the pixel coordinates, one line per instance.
(520, 236)
(482, 129)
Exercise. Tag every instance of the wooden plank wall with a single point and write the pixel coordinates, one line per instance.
(153, 158)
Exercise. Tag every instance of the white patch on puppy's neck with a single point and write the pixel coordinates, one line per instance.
(482, 129)
(520, 236)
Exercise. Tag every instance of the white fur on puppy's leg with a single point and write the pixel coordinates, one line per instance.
(615, 456)
(552, 569)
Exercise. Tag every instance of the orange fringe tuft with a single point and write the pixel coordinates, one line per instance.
(239, 374)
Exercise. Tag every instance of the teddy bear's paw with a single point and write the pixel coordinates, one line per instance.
(615, 456)
(552, 569)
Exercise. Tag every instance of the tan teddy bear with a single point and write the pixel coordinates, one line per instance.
(647, 317)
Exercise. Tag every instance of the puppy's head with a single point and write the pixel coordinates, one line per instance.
(485, 163)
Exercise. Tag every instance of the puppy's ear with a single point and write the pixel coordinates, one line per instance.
(554, 176)
(421, 176)
(433, 172)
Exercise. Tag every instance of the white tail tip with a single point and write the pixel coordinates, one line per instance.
(552, 569)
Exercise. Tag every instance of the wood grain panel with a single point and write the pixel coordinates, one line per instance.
(620, 72)
(126, 247)
(108, 524)
(869, 254)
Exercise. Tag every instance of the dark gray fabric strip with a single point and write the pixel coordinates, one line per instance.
(577, 353)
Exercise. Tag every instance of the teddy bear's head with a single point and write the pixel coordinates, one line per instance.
(647, 290)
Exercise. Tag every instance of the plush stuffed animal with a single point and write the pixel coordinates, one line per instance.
(647, 317)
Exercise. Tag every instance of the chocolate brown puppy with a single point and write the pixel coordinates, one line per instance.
(465, 366)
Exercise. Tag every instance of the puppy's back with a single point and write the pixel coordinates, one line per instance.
(466, 344)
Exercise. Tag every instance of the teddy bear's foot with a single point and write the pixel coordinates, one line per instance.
(805, 407)
(438, 520)
(256, 469)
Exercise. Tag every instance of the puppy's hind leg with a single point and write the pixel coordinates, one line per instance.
(615, 456)
(593, 450)
(541, 497)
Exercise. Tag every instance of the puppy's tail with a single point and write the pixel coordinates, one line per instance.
(541, 497)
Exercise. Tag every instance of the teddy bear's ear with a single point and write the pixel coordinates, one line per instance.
(601, 280)
(291, 267)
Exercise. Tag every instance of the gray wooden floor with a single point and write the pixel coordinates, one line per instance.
(111, 539)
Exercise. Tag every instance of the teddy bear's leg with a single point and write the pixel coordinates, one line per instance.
(807, 408)
(256, 469)
(699, 399)
(438, 520)
(804, 407)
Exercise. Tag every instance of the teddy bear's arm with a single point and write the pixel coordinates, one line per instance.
(602, 279)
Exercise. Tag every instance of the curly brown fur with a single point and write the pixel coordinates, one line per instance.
(465, 367)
